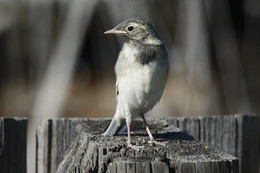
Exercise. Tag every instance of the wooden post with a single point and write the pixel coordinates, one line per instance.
(91, 152)
(179, 156)
(237, 135)
(13, 145)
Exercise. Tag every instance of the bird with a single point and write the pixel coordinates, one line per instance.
(141, 73)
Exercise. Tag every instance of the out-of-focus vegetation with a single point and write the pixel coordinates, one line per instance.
(55, 52)
(55, 60)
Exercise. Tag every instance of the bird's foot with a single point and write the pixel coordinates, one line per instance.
(154, 142)
(135, 147)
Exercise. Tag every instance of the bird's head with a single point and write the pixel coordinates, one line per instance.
(137, 30)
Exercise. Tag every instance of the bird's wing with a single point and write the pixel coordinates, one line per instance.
(117, 90)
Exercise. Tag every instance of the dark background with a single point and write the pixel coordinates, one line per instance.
(55, 60)
(213, 47)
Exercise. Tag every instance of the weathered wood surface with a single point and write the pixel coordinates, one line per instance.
(93, 153)
(13, 145)
(182, 154)
(237, 135)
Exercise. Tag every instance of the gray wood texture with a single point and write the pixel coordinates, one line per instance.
(91, 152)
(237, 135)
(13, 145)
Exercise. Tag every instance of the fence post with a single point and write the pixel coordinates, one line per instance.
(13, 133)
(87, 151)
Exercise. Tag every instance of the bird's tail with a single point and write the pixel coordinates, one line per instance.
(116, 126)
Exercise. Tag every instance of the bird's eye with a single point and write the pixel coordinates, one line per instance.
(130, 28)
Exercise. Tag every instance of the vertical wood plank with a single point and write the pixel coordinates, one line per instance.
(130, 167)
(13, 136)
(187, 167)
(191, 125)
(121, 166)
(143, 167)
(160, 167)
(248, 128)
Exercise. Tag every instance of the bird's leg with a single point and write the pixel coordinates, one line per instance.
(152, 140)
(130, 145)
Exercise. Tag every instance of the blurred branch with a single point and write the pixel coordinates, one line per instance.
(229, 61)
(56, 81)
(192, 57)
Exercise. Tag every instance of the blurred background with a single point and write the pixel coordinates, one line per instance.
(55, 60)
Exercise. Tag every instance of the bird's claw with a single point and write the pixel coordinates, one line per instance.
(135, 147)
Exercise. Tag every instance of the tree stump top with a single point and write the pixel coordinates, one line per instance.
(92, 152)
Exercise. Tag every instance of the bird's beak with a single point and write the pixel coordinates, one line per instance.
(114, 31)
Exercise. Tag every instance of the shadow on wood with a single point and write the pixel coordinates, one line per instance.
(13, 145)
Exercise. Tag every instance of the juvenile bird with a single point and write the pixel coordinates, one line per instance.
(141, 73)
